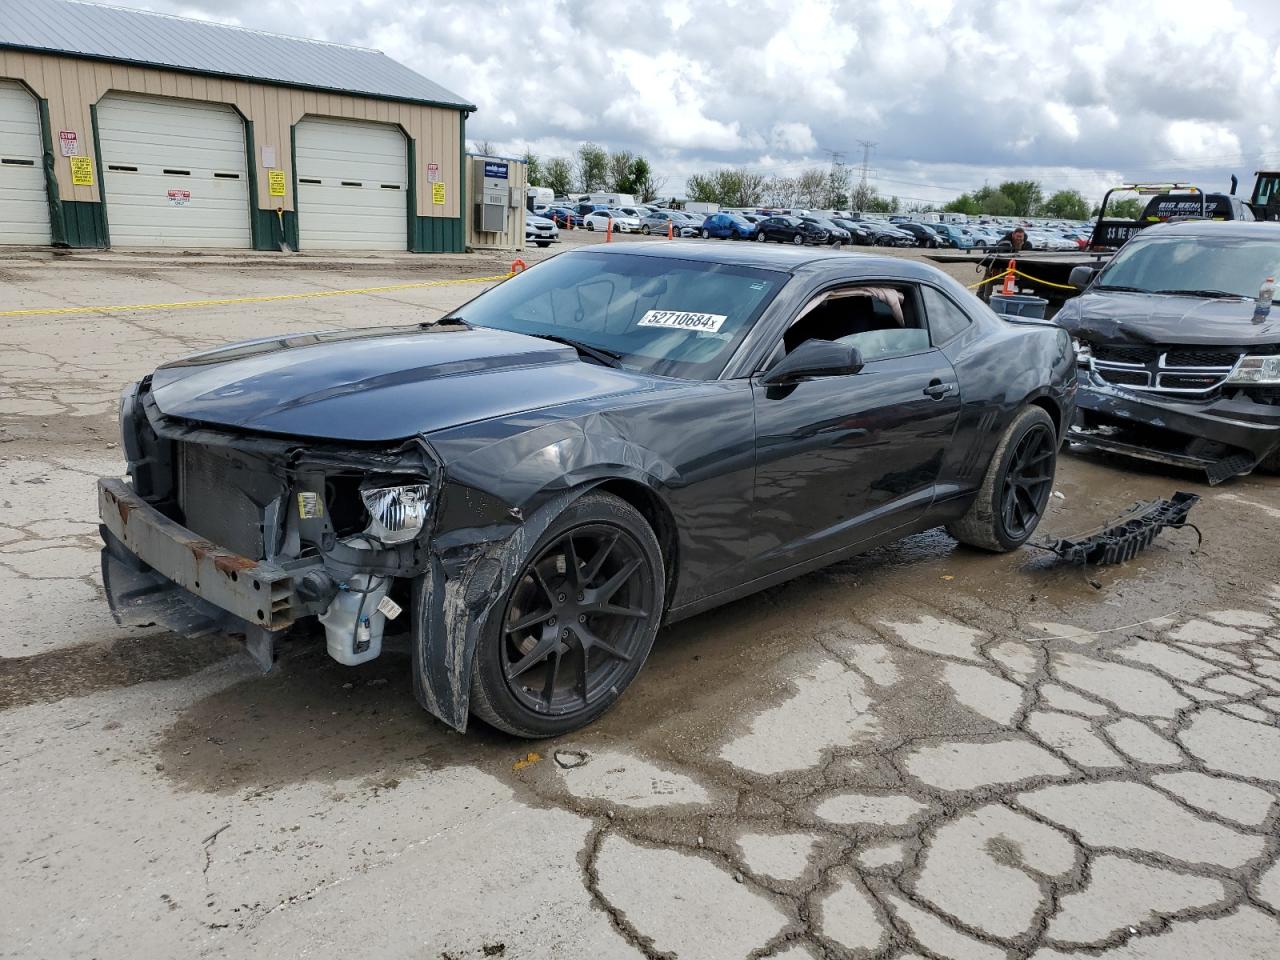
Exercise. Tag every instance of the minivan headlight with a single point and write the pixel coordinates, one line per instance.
(1251, 369)
(397, 514)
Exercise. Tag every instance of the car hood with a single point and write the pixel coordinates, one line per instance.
(381, 384)
(1153, 318)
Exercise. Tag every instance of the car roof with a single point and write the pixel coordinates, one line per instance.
(1235, 229)
(770, 257)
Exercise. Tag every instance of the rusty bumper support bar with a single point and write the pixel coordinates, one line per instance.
(1133, 532)
(258, 592)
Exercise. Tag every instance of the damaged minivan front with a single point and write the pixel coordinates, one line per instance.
(1177, 362)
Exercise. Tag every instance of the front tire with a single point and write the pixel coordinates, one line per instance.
(705, 234)
(575, 625)
(1016, 487)
(645, 230)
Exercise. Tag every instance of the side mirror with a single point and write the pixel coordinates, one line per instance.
(1081, 276)
(815, 358)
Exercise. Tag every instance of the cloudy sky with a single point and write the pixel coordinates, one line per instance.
(953, 94)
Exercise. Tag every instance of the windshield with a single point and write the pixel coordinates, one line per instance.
(673, 318)
(1193, 264)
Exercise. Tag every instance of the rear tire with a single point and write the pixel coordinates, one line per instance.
(798, 239)
(591, 225)
(510, 682)
(760, 237)
(1009, 507)
(706, 234)
(645, 230)
(1271, 462)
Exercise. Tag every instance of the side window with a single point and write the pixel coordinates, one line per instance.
(881, 321)
(946, 320)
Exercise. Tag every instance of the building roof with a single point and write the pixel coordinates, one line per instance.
(99, 32)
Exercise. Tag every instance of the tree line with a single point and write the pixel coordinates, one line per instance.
(593, 169)
(1021, 198)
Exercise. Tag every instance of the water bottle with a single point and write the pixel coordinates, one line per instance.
(1263, 306)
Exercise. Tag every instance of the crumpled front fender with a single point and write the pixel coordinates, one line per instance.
(452, 604)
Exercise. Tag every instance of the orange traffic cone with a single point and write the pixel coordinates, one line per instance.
(671, 230)
(608, 232)
(1008, 288)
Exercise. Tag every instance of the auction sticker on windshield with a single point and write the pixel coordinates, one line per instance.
(683, 320)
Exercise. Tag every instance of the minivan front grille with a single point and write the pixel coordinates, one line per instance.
(1193, 372)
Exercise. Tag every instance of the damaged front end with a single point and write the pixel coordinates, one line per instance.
(1211, 409)
(224, 531)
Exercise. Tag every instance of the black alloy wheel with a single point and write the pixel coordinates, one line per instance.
(1015, 489)
(1028, 481)
(577, 622)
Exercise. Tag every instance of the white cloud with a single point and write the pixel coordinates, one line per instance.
(954, 92)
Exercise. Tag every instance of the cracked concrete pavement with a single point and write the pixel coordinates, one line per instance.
(923, 752)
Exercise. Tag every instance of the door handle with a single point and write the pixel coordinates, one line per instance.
(937, 389)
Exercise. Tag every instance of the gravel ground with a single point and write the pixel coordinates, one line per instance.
(920, 752)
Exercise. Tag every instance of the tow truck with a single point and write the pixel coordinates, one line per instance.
(1168, 201)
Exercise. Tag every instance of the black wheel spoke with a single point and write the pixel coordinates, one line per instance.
(592, 642)
(613, 610)
(597, 562)
(532, 619)
(542, 583)
(540, 652)
(549, 685)
(611, 586)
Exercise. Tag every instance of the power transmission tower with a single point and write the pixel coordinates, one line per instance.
(867, 147)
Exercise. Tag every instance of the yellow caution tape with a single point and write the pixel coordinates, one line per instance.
(1001, 276)
(224, 301)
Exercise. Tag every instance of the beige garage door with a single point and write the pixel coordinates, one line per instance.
(174, 173)
(24, 204)
(353, 185)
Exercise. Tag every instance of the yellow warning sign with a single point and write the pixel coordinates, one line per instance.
(437, 193)
(275, 182)
(81, 171)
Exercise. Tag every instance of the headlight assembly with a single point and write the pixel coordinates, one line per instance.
(397, 514)
(1250, 369)
(1084, 353)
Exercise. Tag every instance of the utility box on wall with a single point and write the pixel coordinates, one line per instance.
(494, 200)
(496, 187)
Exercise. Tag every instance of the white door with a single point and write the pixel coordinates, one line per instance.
(24, 203)
(174, 173)
(353, 185)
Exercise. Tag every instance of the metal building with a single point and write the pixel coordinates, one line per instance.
(131, 129)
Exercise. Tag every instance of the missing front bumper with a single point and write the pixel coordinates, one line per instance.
(146, 553)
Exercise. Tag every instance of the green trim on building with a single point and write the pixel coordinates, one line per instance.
(53, 196)
(256, 240)
(293, 185)
(411, 208)
(267, 229)
(462, 180)
(84, 223)
(102, 186)
(438, 235)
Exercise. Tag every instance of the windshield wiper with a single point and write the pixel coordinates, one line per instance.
(606, 357)
(1210, 294)
(1109, 286)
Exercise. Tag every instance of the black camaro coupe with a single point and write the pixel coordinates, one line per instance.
(614, 439)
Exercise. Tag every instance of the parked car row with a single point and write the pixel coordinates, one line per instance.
(834, 227)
